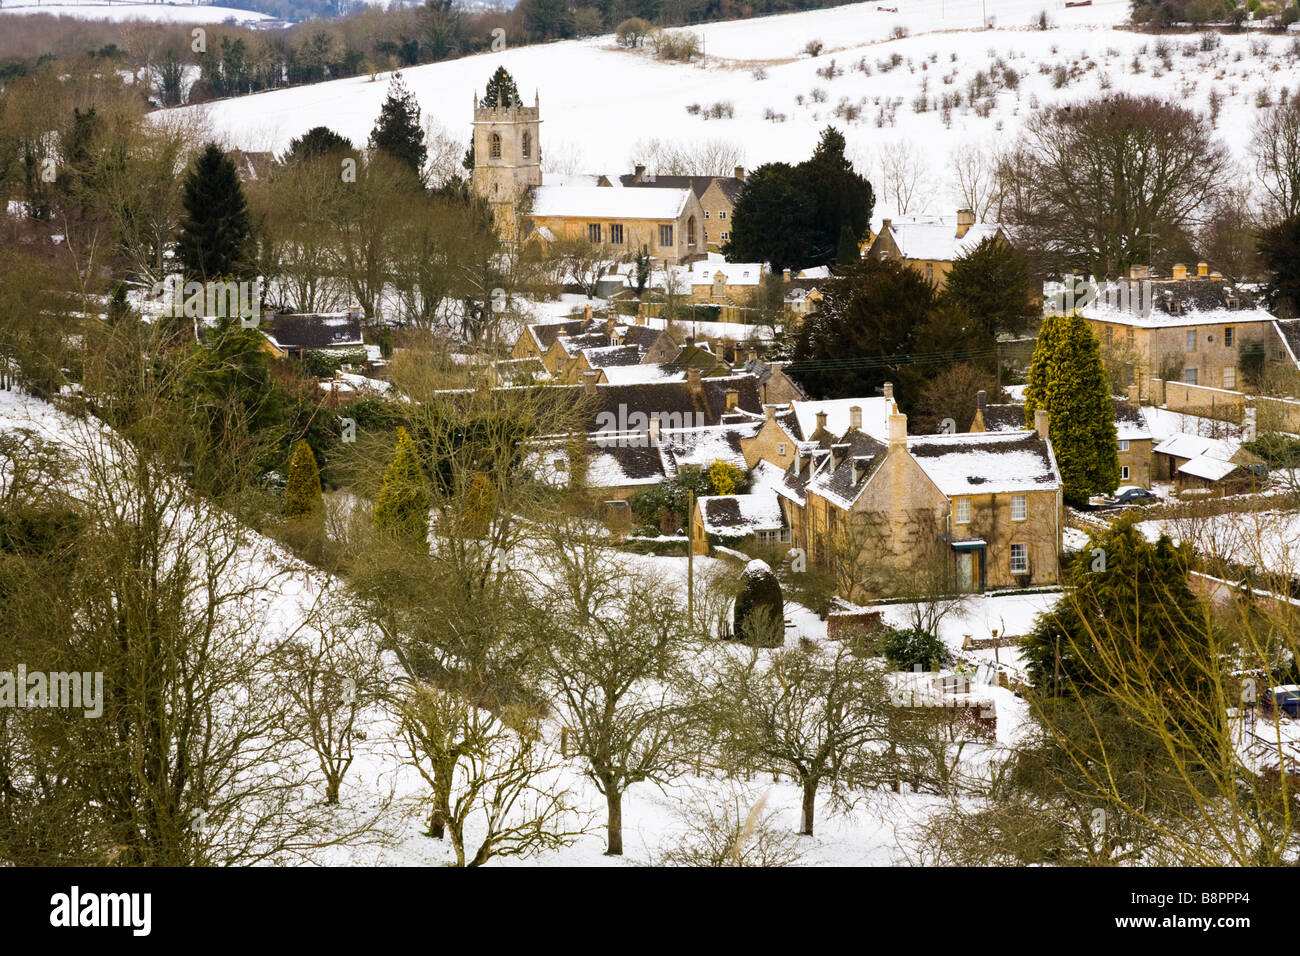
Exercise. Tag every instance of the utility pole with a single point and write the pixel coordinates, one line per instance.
(690, 561)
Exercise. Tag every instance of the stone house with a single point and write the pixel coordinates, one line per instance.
(931, 244)
(716, 195)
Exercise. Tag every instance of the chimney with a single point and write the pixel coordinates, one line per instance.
(609, 326)
(889, 391)
(785, 275)
(733, 398)
(855, 417)
(821, 421)
(885, 224)
(752, 354)
(1041, 422)
(586, 313)
(694, 381)
(981, 399)
(739, 173)
(690, 341)
(1180, 271)
(965, 219)
(1139, 272)
(638, 172)
(897, 431)
(589, 382)
(770, 412)
(654, 431)
(1202, 270)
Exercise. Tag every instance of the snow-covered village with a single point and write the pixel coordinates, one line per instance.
(650, 434)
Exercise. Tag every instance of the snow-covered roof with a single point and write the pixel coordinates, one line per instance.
(981, 463)
(935, 237)
(606, 202)
(1155, 319)
(739, 515)
(875, 416)
(635, 374)
(703, 272)
(1196, 446)
(1203, 466)
(701, 447)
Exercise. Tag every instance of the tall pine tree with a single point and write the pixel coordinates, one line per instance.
(501, 90)
(1068, 378)
(397, 131)
(215, 240)
(1279, 247)
(992, 281)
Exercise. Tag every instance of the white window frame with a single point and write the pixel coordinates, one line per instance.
(1123, 444)
(722, 214)
(726, 236)
(1229, 336)
(1023, 567)
(1020, 507)
(962, 511)
(1230, 376)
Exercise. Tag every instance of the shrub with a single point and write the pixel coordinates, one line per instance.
(910, 649)
(759, 615)
(302, 493)
(323, 363)
(632, 31)
(676, 45)
(813, 48)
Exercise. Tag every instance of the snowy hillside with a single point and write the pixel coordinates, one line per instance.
(160, 12)
(598, 100)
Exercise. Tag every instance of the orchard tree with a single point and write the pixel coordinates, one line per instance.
(1068, 378)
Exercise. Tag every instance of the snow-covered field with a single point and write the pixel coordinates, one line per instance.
(157, 12)
(599, 100)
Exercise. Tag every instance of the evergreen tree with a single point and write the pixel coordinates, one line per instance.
(118, 306)
(770, 222)
(501, 89)
(642, 266)
(1279, 248)
(397, 131)
(840, 196)
(317, 142)
(993, 283)
(302, 491)
(758, 617)
(847, 252)
(1068, 378)
(215, 240)
(404, 501)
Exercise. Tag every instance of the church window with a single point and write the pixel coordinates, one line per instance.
(528, 146)
(496, 145)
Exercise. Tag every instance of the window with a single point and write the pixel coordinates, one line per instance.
(1123, 472)
(726, 236)
(1189, 376)
(593, 232)
(1019, 508)
(1229, 376)
(1019, 559)
(1123, 444)
(722, 214)
(616, 234)
(706, 214)
(560, 464)
(1132, 338)
(1229, 337)
(1191, 340)
(496, 146)
(963, 511)
(527, 148)
(1110, 335)
(780, 449)
(665, 235)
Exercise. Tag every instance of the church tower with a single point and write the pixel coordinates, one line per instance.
(507, 155)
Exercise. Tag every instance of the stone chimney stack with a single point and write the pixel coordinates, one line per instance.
(1180, 271)
(739, 173)
(889, 391)
(981, 399)
(855, 417)
(589, 383)
(770, 412)
(1041, 422)
(638, 172)
(733, 398)
(897, 431)
(1139, 272)
(586, 313)
(1202, 270)
(821, 421)
(965, 219)
(695, 382)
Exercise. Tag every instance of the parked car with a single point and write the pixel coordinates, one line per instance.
(1127, 495)
(1285, 697)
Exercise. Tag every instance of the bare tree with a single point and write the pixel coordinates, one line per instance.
(712, 157)
(975, 170)
(738, 830)
(904, 177)
(1275, 147)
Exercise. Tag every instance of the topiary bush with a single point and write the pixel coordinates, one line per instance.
(759, 615)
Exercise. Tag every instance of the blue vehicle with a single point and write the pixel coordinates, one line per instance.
(1285, 697)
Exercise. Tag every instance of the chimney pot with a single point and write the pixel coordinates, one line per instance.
(785, 275)
(1041, 422)
(889, 391)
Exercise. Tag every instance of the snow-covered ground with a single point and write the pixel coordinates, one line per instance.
(601, 103)
(157, 12)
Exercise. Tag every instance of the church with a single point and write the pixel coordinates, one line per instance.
(666, 222)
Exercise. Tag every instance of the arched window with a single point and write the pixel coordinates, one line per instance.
(528, 145)
(496, 145)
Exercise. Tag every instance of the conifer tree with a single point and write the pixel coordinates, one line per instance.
(1068, 378)
(215, 240)
(848, 251)
(302, 491)
(501, 89)
(397, 131)
(993, 283)
(404, 501)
